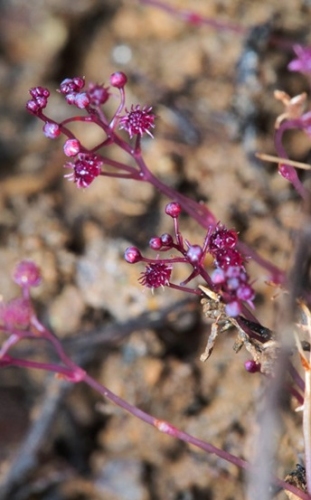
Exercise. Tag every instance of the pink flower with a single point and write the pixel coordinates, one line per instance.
(138, 121)
(15, 313)
(155, 275)
(72, 147)
(118, 79)
(85, 169)
(98, 94)
(39, 99)
(27, 274)
(70, 85)
(51, 130)
(303, 61)
(132, 255)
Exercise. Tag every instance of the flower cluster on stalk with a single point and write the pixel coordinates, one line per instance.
(91, 98)
(138, 121)
(16, 313)
(229, 278)
(85, 169)
(39, 99)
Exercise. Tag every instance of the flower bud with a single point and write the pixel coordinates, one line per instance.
(194, 254)
(155, 243)
(27, 274)
(72, 147)
(132, 255)
(118, 79)
(173, 209)
(51, 130)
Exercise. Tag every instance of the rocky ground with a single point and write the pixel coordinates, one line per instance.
(212, 91)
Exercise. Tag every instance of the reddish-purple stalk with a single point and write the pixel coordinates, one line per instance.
(72, 372)
(287, 171)
(198, 211)
(229, 280)
(19, 325)
(196, 19)
(75, 374)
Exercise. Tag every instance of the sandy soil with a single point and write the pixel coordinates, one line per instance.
(215, 109)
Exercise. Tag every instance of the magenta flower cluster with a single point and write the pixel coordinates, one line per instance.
(229, 277)
(156, 274)
(87, 163)
(138, 120)
(27, 274)
(85, 169)
(302, 62)
(17, 312)
(39, 99)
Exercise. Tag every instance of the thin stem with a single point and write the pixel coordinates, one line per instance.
(205, 218)
(198, 211)
(76, 374)
(296, 377)
(181, 288)
(114, 120)
(295, 394)
(115, 138)
(306, 425)
(118, 176)
(121, 166)
(197, 19)
(47, 335)
(10, 342)
(162, 425)
(286, 170)
(27, 363)
(277, 276)
(63, 129)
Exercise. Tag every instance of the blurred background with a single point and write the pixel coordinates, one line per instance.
(212, 91)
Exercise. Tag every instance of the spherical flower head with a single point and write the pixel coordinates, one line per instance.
(39, 99)
(82, 100)
(85, 169)
(251, 366)
(51, 130)
(235, 277)
(16, 313)
(118, 79)
(194, 254)
(245, 292)
(138, 121)
(218, 276)
(222, 238)
(72, 147)
(98, 94)
(39, 91)
(132, 255)
(173, 209)
(71, 98)
(33, 107)
(167, 240)
(71, 85)
(237, 272)
(303, 61)
(233, 309)
(27, 274)
(155, 243)
(155, 275)
(227, 258)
